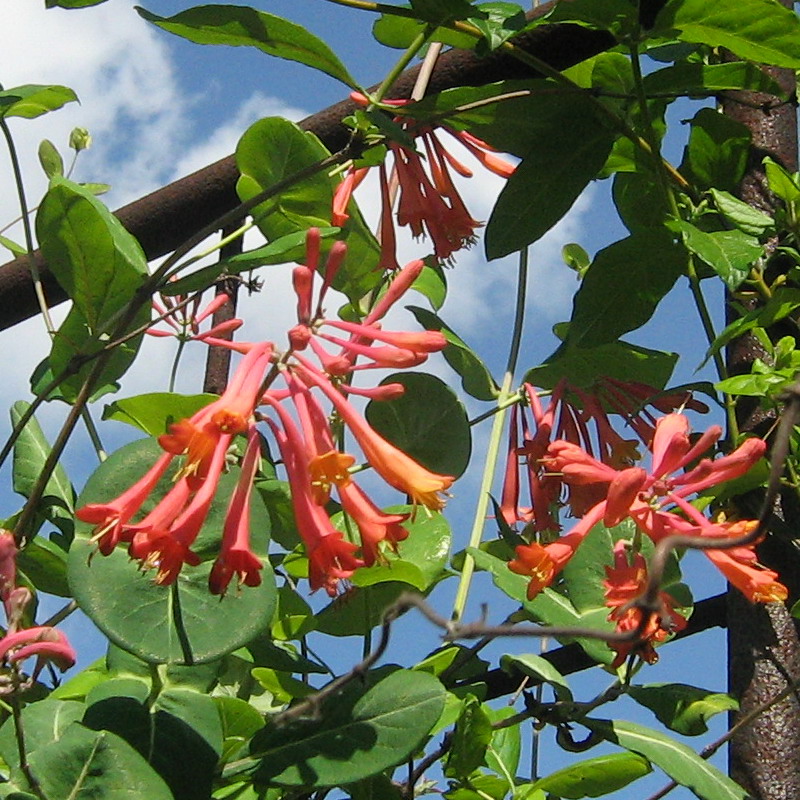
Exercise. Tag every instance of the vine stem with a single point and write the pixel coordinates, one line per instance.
(494, 439)
(26, 226)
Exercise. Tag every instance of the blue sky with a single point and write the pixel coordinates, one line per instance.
(159, 107)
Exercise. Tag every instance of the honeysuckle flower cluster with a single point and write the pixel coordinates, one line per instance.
(657, 502)
(625, 581)
(310, 451)
(582, 418)
(428, 201)
(48, 645)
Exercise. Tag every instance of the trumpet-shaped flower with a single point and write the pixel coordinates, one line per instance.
(623, 584)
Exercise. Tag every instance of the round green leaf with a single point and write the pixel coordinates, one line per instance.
(428, 422)
(142, 617)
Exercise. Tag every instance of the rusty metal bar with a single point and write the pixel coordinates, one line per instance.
(168, 216)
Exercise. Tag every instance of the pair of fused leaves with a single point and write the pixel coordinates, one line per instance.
(161, 624)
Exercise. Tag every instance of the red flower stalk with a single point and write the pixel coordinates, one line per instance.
(109, 519)
(581, 419)
(198, 437)
(641, 495)
(49, 645)
(185, 320)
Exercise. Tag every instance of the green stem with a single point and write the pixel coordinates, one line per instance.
(173, 373)
(411, 51)
(26, 226)
(495, 439)
(94, 435)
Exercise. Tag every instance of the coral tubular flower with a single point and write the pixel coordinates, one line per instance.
(235, 555)
(109, 518)
(49, 645)
(533, 560)
(428, 201)
(392, 464)
(623, 584)
(331, 559)
(374, 526)
(198, 437)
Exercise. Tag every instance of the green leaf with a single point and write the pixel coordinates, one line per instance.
(623, 286)
(697, 78)
(50, 159)
(757, 30)
(540, 669)
(360, 610)
(472, 735)
(680, 762)
(180, 733)
(476, 379)
(421, 559)
(571, 145)
(95, 260)
(392, 30)
(438, 12)
(548, 607)
(731, 254)
(358, 733)
(153, 413)
(716, 155)
(274, 149)
(16, 249)
(72, 3)
(428, 422)
(746, 218)
(684, 709)
(585, 572)
(95, 764)
(293, 616)
(30, 453)
(286, 249)
(781, 181)
(636, 205)
(44, 564)
(594, 777)
(618, 16)
(498, 22)
(100, 266)
(32, 100)
(284, 688)
(621, 360)
(44, 722)
(243, 26)
(783, 301)
(140, 616)
(240, 721)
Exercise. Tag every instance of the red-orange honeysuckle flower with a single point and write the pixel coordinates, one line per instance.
(236, 556)
(198, 437)
(331, 558)
(392, 464)
(625, 581)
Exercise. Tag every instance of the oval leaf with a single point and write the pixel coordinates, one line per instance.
(428, 422)
(357, 735)
(240, 25)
